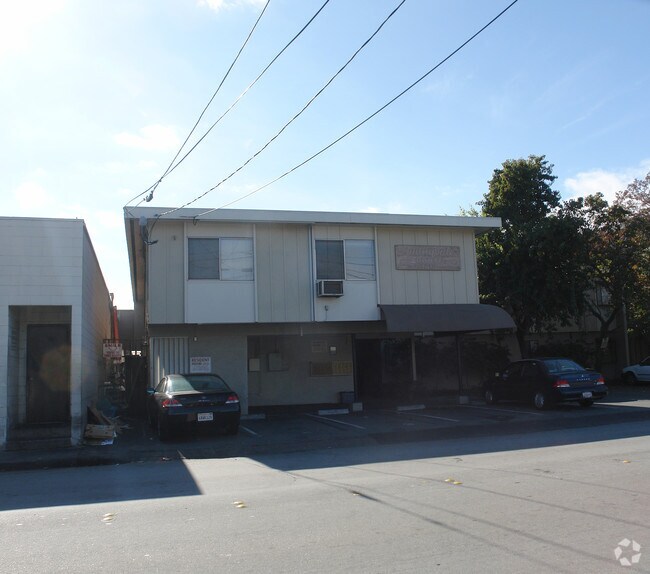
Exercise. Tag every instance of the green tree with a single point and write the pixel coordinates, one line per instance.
(635, 198)
(531, 265)
(618, 260)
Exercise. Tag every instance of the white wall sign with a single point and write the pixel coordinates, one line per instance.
(200, 364)
(112, 350)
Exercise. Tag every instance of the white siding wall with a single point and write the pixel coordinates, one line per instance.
(283, 276)
(283, 290)
(402, 287)
(166, 273)
(167, 356)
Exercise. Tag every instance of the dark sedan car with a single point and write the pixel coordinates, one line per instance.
(184, 400)
(545, 382)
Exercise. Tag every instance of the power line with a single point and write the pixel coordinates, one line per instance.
(297, 115)
(153, 187)
(173, 165)
(357, 126)
(248, 88)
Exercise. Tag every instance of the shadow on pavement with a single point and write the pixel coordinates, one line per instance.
(298, 442)
(73, 486)
(424, 445)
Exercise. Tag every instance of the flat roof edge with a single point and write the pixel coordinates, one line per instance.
(324, 217)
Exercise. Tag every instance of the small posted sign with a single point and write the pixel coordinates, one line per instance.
(200, 364)
(112, 350)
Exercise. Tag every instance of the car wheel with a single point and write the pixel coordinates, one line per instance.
(629, 378)
(490, 399)
(586, 403)
(163, 429)
(539, 400)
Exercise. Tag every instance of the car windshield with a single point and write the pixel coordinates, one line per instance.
(561, 366)
(200, 383)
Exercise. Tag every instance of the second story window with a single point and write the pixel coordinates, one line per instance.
(228, 259)
(350, 259)
(360, 259)
(329, 259)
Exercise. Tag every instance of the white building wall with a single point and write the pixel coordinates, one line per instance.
(406, 287)
(40, 261)
(166, 272)
(95, 327)
(41, 265)
(293, 377)
(228, 354)
(283, 277)
(284, 284)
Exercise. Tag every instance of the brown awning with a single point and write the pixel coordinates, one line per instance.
(456, 318)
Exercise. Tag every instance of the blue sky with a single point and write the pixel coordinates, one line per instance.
(96, 98)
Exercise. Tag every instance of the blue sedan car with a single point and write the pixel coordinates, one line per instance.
(546, 381)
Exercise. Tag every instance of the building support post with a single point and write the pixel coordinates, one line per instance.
(463, 398)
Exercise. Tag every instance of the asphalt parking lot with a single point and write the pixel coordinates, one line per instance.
(330, 428)
(277, 432)
(418, 417)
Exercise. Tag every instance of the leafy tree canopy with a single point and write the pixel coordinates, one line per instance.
(619, 254)
(520, 191)
(531, 266)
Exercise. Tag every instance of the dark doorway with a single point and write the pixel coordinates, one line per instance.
(48, 374)
(367, 354)
(383, 368)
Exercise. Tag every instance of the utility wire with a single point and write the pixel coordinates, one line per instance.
(151, 189)
(333, 143)
(296, 116)
(248, 88)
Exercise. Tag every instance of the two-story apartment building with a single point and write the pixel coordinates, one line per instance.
(309, 307)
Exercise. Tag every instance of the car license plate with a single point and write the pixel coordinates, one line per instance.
(586, 395)
(204, 417)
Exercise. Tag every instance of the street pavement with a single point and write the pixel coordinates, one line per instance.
(563, 500)
(303, 431)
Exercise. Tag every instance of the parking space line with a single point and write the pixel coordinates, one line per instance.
(335, 421)
(429, 417)
(503, 410)
(248, 430)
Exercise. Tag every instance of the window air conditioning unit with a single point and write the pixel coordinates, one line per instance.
(329, 288)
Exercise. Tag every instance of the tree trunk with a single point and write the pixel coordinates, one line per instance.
(605, 324)
(523, 328)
